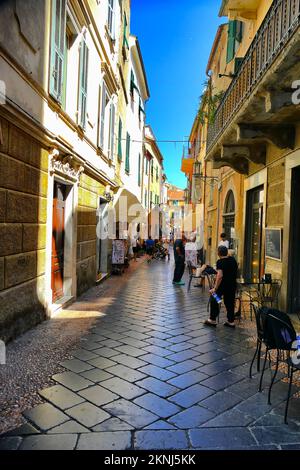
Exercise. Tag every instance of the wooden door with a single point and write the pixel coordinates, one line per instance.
(58, 240)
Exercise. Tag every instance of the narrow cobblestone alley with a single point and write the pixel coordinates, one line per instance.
(150, 375)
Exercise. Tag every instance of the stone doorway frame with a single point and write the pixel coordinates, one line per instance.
(65, 170)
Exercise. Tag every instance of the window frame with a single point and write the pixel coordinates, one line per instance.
(83, 83)
(57, 55)
(127, 161)
(111, 18)
(111, 131)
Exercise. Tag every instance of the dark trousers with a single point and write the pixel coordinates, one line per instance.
(179, 269)
(229, 301)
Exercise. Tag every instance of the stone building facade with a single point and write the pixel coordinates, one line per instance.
(59, 168)
(250, 142)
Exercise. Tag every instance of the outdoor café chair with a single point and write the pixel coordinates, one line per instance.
(192, 276)
(269, 293)
(284, 337)
(259, 314)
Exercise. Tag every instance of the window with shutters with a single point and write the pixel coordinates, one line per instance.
(125, 40)
(157, 173)
(146, 198)
(58, 38)
(103, 101)
(111, 18)
(146, 166)
(139, 170)
(83, 83)
(111, 135)
(127, 161)
(120, 140)
(235, 36)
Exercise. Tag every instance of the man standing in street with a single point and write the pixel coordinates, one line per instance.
(223, 241)
(225, 287)
(179, 256)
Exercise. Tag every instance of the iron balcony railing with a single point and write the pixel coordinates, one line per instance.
(279, 25)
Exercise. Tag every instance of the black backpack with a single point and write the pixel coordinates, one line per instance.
(279, 332)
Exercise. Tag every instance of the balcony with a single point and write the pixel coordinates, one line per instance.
(187, 162)
(258, 103)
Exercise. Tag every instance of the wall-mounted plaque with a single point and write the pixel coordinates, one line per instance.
(273, 243)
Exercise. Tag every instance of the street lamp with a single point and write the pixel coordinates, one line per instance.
(197, 172)
(186, 194)
(197, 169)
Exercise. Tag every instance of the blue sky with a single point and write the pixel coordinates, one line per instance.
(176, 37)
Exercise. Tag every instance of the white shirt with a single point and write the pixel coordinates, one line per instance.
(224, 243)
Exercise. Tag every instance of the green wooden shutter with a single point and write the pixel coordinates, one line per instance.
(102, 116)
(58, 38)
(125, 42)
(139, 169)
(232, 28)
(127, 162)
(112, 131)
(132, 84)
(120, 140)
(83, 82)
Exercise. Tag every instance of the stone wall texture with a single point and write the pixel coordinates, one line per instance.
(23, 214)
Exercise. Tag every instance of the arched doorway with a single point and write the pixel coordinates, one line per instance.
(229, 218)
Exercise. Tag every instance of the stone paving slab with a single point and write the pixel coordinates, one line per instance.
(123, 388)
(221, 401)
(131, 375)
(157, 386)
(131, 413)
(75, 365)
(88, 414)
(118, 440)
(157, 440)
(157, 372)
(10, 443)
(192, 417)
(191, 395)
(189, 378)
(61, 397)
(70, 427)
(161, 407)
(97, 375)
(113, 424)
(24, 430)
(47, 442)
(228, 438)
(72, 381)
(98, 395)
(45, 416)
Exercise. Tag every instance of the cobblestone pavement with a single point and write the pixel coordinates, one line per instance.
(150, 375)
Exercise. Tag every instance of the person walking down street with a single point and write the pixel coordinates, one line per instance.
(223, 241)
(149, 246)
(225, 286)
(179, 256)
(135, 246)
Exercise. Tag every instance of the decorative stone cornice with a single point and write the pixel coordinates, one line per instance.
(65, 166)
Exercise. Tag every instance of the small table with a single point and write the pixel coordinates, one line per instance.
(261, 292)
